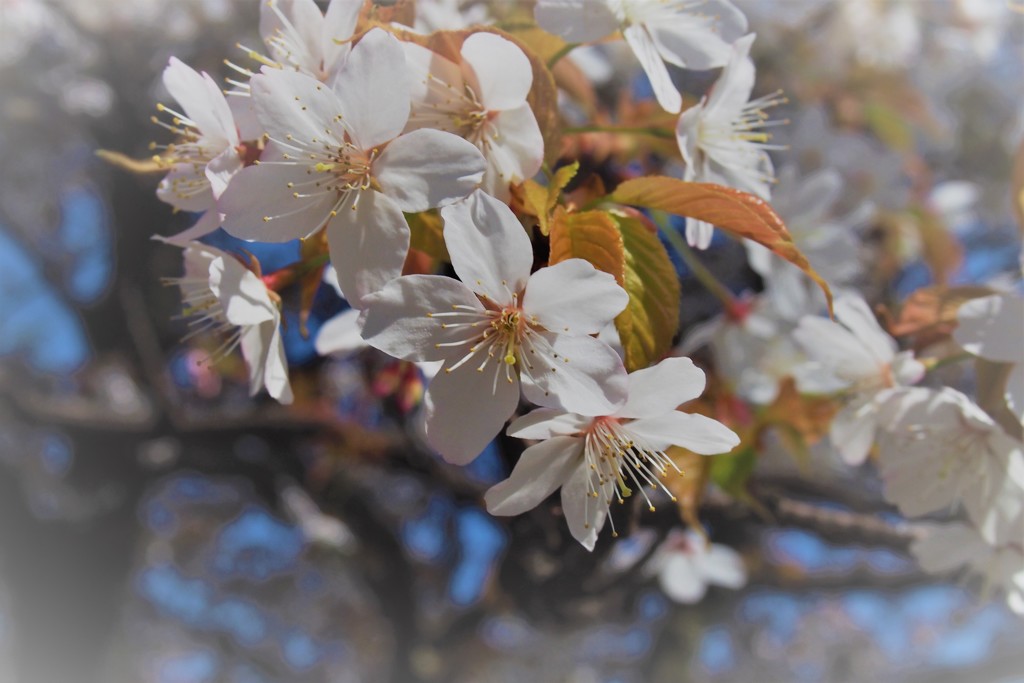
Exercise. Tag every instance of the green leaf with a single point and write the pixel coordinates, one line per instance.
(651, 318)
(730, 471)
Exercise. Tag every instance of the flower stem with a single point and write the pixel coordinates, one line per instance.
(557, 57)
(626, 130)
(689, 257)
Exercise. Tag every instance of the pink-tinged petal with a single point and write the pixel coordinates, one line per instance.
(573, 297)
(516, 151)
(428, 168)
(732, 89)
(206, 224)
(662, 388)
(374, 87)
(576, 21)
(368, 245)
(258, 204)
(992, 327)
(242, 295)
(221, 169)
(339, 25)
(697, 433)
(243, 109)
(503, 71)
(540, 470)
(544, 423)
(647, 53)
(466, 408)
(723, 566)
(397, 320)
(680, 579)
(853, 312)
(584, 514)
(202, 101)
(577, 373)
(341, 335)
(187, 188)
(853, 431)
(289, 103)
(489, 248)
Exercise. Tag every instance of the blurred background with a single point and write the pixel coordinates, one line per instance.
(158, 525)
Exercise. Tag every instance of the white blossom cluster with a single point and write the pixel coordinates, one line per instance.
(343, 129)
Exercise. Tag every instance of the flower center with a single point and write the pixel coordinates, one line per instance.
(617, 459)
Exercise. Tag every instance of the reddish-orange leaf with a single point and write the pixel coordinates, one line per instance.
(738, 213)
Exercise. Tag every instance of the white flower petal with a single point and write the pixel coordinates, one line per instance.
(207, 223)
(243, 296)
(576, 21)
(680, 579)
(489, 248)
(221, 169)
(259, 193)
(545, 423)
(374, 87)
(853, 431)
(339, 25)
(486, 397)
(397, 321)
(541, 469)
(503, 71)
(573, 297)
(647, 52)
(301, 24)
(992, 327)
(835, 347)
(723, 566)
(689, 44)
(584, 514)
(1015, 391)
(853, 312)
(662, 388)
(341, 335)
(516, 150)
(591, 382)
(428, 168)
(732, 89)
(187, 188)
(697, 433)
(290, 103)
(202, 101)
(368, 246)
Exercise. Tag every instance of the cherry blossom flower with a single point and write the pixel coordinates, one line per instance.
(830, 242)
(482, 99)
(692, 34)
(938, 448)
(992, 327)
(686, 563)
(299, 37)
(336, 159)
(946, 547)
(224, 297)
(723, 138)
(861, 355)
(206, 156)
(597, 460)
(499, 328)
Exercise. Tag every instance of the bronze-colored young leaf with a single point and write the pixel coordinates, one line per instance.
(540, 201)
(590, 235)
(427, 234)
(737, 213)
(651, 318)
(688, 487)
